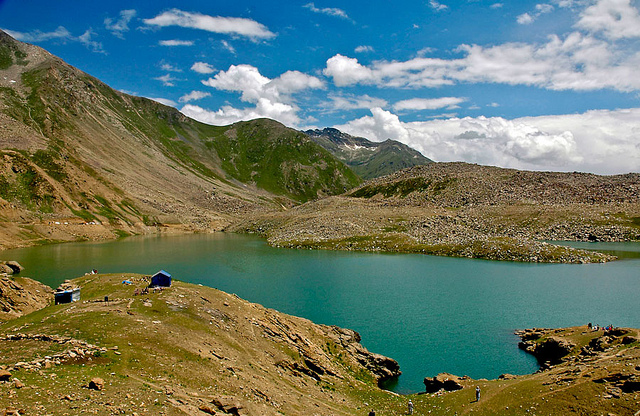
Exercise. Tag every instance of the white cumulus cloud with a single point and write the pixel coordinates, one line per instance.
(363, 49)
(203, 68)
(252, 85)
(167, 80)
(37, 36)
(341, 102)
(330, 11)
(168, 67)
(437, 6)
(193, 96)
(347, 71)
(61, 33)
(524, 19)
(284, 113)
(87, 40)
(272, 98)
(175, 42)
(429, 103)
(617, 19)
(575, 61)
(216, 24)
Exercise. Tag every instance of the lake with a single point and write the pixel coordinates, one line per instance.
(432, 314)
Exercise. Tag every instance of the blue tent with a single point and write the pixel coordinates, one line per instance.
(161, 278)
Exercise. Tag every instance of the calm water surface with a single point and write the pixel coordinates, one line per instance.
(432, 314)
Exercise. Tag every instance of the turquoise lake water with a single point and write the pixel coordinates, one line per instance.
(432, 314)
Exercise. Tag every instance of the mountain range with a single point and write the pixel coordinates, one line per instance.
(82, 161)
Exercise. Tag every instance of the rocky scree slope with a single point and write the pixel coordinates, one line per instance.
(459, 209)
(73, 149)
(366, 158)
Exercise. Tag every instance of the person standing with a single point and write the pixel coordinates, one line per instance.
(477, 393)
(410, 407)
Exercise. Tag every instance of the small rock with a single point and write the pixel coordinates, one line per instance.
(207, 409)
(11, 411)
(96, 383)
(17, 383)
(5, 375)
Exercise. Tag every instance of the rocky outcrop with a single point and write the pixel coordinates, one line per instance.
(443, 381)
(551, 350)
(316, 362)
(10, 267)
(21, 296)
(383, 368)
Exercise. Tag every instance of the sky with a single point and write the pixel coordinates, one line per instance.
(538, 85)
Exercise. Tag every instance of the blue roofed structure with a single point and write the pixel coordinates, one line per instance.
(161, 279)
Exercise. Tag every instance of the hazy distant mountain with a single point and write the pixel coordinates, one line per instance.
(366, 158)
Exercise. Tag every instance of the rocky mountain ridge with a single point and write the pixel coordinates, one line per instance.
(366, 158)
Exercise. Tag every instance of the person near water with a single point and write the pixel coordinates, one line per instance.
(410, 407)
(477, 393)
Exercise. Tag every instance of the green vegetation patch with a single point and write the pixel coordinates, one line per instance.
(8, 52)
(47, 160)
(6, 58)
(106, 210)
(280, 160)
(22, 183)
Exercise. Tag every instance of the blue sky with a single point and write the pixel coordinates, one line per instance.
(543, 85)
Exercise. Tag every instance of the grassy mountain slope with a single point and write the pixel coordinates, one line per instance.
(280, 160)
(185, 350)
(78, 151)
(465, 210)
(366, 158)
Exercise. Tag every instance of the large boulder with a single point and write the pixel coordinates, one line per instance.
(10, 267)
(442, 381)
(96, 383)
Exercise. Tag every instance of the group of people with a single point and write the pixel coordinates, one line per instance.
(410, 404)
(596, 327)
